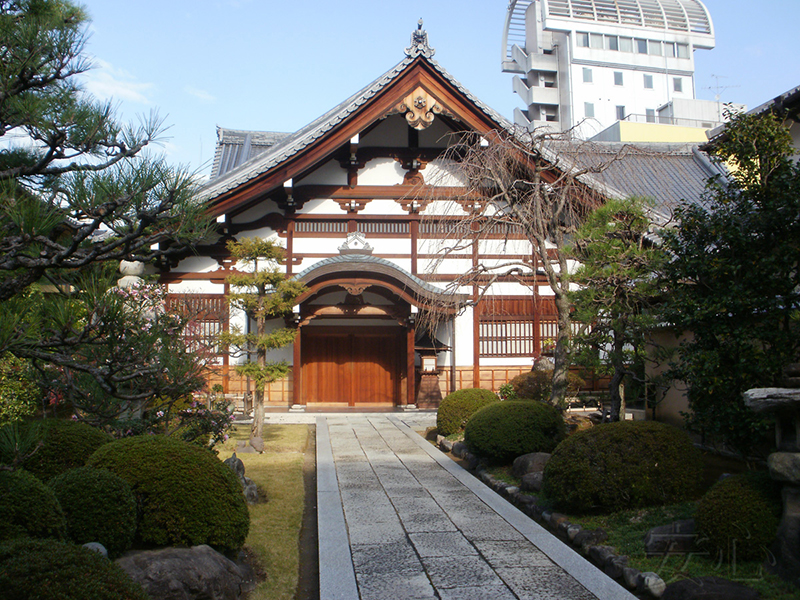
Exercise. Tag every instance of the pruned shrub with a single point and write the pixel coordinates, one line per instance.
(28, 508)
(186, 495)
(98, 506)
(19, 393)
(628, 464)
(503, 431)
(66, 445)
(740, 515)
(538, 384)
(46, 570)
(456, 409)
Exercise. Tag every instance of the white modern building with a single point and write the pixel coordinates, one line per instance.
(587, 64)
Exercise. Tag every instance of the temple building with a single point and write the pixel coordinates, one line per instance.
(363, 199)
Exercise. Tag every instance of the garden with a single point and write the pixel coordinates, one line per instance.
(638, 498)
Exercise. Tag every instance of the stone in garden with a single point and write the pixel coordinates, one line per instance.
(599, 555)
(250, 491)
(675, 538)
(784, 466)
(184, 573)
(529, 463)
(235, 464)
(785, 548)
(532, 482)
(652, 584)
(243, 448)
(615, 566)
(96, 547)
(257, 444)
(708, 588)
(445, 445)
(630, 577)
(587, 539)
(459, 449)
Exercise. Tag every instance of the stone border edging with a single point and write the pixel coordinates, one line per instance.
(587, 543)
(586, 573)
(337, 576)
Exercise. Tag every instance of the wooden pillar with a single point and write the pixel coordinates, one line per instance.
(411, 392)
(414, 228)
(297, 376)
(289, 248)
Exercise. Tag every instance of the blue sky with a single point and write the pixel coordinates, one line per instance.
(276, 65)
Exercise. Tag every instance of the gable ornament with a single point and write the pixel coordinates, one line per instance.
(420, 108)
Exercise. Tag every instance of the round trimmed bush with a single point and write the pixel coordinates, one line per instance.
(28, 508)
(67, 445)
(186, 495)
(629, 464)
(44, 570)
(98, 506)
(503, 431)
(456, 409)
(538, 384)
(740, 515)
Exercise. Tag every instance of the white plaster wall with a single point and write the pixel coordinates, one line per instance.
(383, 207)
(464, 328)
(195, 287)
(444, 207)
(443, 173)
(197, 264)
(263, 233)
(329, 173)
(447, 266)
(509, 288)
(318, 245)
(255, 212)
(381, 171)
(507, 361)
(320, 207)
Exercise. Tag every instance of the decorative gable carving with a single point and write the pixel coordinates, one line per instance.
(420, 108)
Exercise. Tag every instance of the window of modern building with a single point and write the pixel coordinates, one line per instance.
(612, 42)
(620, 113)
(588, 110)
(617, 77)
(677, 84)
(596, 41)
(641, 46)
(587, 75)
(650, 115)
(683, 50)
(582, 39)
(669, 49)
(654, 48)
(625, 44)
(648, 82)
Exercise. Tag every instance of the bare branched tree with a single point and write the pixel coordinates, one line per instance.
(518, 188)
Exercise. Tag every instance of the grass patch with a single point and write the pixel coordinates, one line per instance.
(275, 524)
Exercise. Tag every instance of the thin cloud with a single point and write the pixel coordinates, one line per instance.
(106, 83)
(199, 94)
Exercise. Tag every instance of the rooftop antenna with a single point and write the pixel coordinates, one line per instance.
(718, 89)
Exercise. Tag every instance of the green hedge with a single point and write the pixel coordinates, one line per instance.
(186, 495)
(28, 508)
(99, 507)
(505, 430)
(48, 570)
(628, 464)
(740, 515)
(456, 409)
(67, 445)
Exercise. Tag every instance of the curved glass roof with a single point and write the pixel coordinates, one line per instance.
(689, 16)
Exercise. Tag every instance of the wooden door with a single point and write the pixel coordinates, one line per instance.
(351, 366)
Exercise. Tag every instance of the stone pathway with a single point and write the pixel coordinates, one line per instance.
(398, 520)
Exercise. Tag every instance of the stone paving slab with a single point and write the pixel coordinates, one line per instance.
(398, 520)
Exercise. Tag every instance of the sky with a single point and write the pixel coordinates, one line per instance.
(276, 65)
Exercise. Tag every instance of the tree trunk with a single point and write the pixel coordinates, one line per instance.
(258, 397)
(561, 354)
(615, 387)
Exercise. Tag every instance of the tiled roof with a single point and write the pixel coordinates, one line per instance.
(235, 147)
(305, 137)
(665, 173)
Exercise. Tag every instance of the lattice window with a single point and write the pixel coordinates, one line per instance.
(208, 318)
(383, 227)
(320, 227)
(506, 337)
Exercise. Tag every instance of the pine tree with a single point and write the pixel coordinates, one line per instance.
(264, 294)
